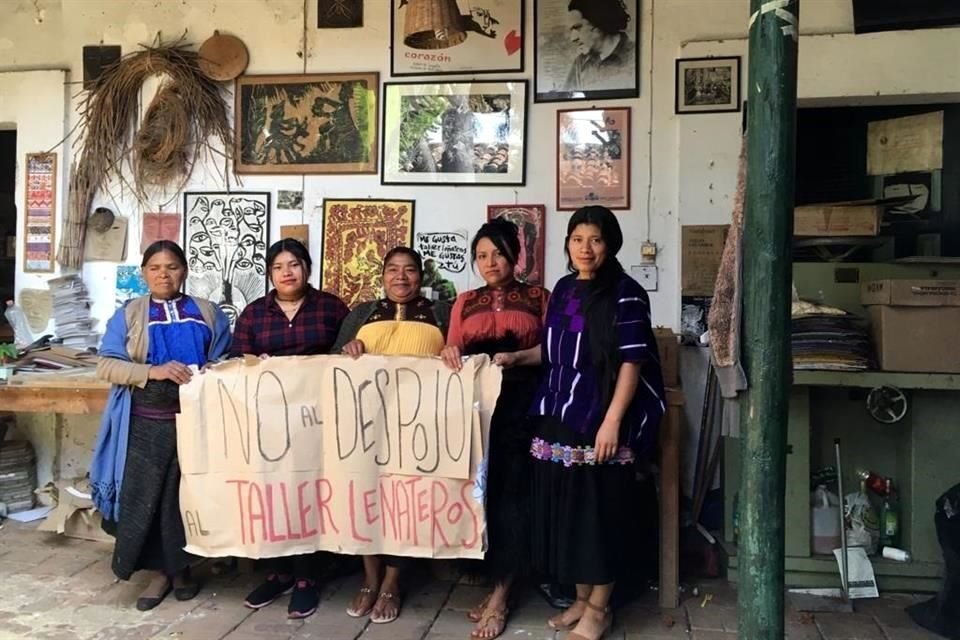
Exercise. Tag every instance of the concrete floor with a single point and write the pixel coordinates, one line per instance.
(55, 588)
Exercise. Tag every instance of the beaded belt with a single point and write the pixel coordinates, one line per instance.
(569, 456)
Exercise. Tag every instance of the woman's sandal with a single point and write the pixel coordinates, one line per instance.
(360, 613)
(476, 613)
(604, 628)
(496, 616)
(557, 623)
(388, 596)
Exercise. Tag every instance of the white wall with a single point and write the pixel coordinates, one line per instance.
(689, 180)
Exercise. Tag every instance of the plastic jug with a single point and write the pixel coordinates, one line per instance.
(22, 336)
(825, 520)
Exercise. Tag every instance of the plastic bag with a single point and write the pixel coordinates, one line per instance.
(863, 525)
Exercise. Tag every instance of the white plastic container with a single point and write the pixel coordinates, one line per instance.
(824, 520)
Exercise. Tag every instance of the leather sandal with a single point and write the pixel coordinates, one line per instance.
(498, 617)
(557, 623)
(387, 596)
(476, 613)
(604, 628)
(360, 613)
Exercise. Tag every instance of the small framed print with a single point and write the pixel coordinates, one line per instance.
(707, 85)
(593, 158)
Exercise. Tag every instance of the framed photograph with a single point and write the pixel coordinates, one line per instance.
(40, 223)
(356, 236)
(586, 49)
(312, 123)
(225, 239)
(454, 133)
(339, 14)
(708, 85)
(529, 219)
(437, 37)
(593, 158)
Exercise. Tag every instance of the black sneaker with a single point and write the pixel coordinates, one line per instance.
(305, 598)
(271, 589)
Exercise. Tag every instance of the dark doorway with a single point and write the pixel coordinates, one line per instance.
(8, 224)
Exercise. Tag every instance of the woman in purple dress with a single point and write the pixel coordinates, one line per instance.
(596, 411)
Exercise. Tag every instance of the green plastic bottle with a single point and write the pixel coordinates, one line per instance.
(890, 520)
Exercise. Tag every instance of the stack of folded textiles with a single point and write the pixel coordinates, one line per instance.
(828, 339)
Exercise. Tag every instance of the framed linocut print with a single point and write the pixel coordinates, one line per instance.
(586, 49)
(593, 158)
(529, 219)
(436, 37)
(225, 239)
(41, 209)
(356, 236)
(311, 123)
(454, 133)
(707, 85)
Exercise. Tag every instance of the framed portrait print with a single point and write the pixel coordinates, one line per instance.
(225, 240)
(437, 37)
(454, 133)
(586, 49)
(529, 219)
(593, 158)
(356, 236)
(309, 123)
(707, 85)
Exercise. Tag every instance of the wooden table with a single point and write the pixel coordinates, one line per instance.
(670, 501)
(55, 397)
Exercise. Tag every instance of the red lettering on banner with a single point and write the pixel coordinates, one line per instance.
(388, 506)
(436, 513)
(353, 519)
(466, 497)
(304, 509)
(323, 505)
(274, 537)
(370, 505)
(243, 524)
(258, 515)
(291, 534)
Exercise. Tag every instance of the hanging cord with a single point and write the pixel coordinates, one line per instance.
(650, 122)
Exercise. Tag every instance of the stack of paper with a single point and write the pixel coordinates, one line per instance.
(71, 312)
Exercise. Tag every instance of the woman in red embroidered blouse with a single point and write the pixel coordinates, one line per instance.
(502, 316)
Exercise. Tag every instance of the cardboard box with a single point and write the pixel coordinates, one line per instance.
(901, 145)
(669, 347)
(914, 323)
(701, 249)
(858, 218)
(74, 517)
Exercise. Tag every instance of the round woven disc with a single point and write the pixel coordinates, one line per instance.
(223, 57)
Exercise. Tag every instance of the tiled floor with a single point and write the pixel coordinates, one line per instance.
(54, 588)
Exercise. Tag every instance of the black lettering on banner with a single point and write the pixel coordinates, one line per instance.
(436, 430)
(224, 394)
(194, 525)
(309, 417)
(462, 424)
(365, 424)
(286, 417)
(381, 393)
(401, 425)
(337, 373)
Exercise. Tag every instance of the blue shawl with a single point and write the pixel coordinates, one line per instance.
(110, 451)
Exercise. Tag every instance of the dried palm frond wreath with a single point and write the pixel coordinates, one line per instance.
(186, 112)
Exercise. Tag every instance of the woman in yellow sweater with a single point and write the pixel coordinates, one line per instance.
(402, 323)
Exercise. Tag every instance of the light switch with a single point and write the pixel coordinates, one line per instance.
(646, 275)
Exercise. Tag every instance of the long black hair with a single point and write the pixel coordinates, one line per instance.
(164, 245)
(504, 235)
(601, 296)
(291, 246)
(405, 251)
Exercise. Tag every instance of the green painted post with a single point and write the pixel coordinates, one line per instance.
(768, 230)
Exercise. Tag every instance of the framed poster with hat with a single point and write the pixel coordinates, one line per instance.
(437, 37)
(593, 158)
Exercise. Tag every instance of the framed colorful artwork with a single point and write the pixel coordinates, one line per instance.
(529, 219)
(470, 133)
(586, 49)
(593, 158)
(40, 223)
(436, 37)
(225, 239)
(356, 236)
(310, 123)
(707, 85)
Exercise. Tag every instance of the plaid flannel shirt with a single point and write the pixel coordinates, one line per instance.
(263, 328)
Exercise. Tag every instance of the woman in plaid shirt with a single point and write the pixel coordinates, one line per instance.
(292, 320)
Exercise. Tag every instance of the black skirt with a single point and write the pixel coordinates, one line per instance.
(508, 477)
(149, 531)
(581, 523)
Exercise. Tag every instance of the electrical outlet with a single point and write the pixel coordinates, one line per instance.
(646, 275)
(648, 252)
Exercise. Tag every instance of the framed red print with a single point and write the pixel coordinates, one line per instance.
(593, 158)
(529, 219)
